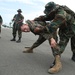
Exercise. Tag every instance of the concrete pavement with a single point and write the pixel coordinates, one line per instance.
(14, 62)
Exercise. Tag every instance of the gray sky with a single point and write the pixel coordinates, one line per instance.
(30, 8)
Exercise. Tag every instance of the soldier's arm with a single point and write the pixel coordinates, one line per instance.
(40, 18)
(58, 20)
(14, 18)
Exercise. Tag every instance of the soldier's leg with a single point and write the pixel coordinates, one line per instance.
(73, 47)
(57, 52)
(36, 44)
(14, 30)
(19, 36)
(56, 38)
(56, 65)
(19, 32)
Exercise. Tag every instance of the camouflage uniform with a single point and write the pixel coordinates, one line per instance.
(16, 26)
(18, 22)
(43, 36)
(65, 22)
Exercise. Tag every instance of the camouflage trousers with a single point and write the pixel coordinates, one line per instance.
(43, 38)
(64, 39)
(17, 28)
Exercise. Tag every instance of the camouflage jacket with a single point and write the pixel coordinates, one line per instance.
(18, 18)
(60, 19)
(34, 24)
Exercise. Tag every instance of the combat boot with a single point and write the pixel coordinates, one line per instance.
(19, 40)
(57, 67)
(73, 57)
(13, 39)
(28, 50)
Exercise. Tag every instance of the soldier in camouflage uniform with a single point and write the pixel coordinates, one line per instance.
(1, 21)
(18, 22)
(43, 36)
(65, 21)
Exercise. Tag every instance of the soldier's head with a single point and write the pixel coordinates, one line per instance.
(25, 28)
(19, 11)
(49, 7)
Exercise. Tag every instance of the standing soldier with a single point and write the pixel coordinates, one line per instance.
(1, 21)
(61, 18)
(18, 22)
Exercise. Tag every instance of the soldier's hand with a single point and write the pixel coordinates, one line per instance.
(53, 43)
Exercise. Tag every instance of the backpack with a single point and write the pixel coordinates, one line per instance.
(68, 10)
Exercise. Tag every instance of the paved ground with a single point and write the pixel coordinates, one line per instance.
(14, 62)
